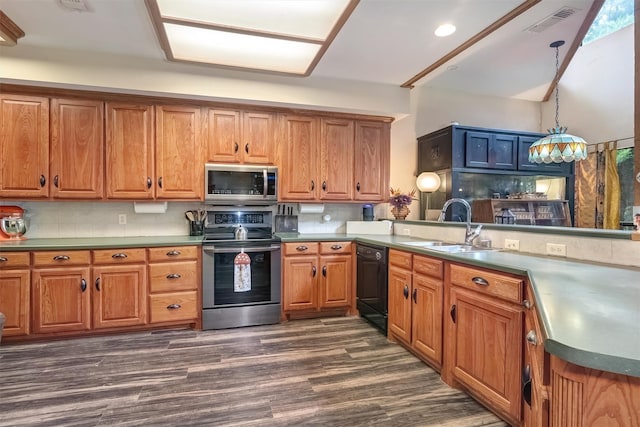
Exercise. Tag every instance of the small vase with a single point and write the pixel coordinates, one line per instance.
(400, 213)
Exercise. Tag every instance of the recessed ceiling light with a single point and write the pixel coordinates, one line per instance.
(445, 30)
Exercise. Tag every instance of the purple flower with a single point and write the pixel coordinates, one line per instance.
(399, 200)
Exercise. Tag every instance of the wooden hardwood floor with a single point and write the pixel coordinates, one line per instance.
(321, 372)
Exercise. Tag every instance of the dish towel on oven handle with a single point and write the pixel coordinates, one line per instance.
(242, 273)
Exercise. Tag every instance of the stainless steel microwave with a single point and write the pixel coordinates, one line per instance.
(240, 184)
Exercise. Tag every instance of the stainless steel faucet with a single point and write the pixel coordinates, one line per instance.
(470, 235)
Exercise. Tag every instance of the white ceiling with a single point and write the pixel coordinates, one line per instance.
(384, 41)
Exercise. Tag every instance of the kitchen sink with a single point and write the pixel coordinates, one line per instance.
(452, 248)
(426, 243)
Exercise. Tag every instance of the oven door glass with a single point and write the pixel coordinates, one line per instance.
(260, 183)
(260, 288)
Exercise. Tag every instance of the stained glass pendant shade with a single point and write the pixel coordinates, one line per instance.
(558, 146)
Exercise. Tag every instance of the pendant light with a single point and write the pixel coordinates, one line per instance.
(558, 146)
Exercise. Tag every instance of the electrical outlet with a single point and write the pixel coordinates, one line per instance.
(406, 232)
(556, 249)
(122, 219)
(512, 244)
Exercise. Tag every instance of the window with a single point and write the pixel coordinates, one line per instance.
(614, 15)
(625, 172)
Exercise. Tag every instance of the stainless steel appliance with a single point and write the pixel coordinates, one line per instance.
(236, 291)
(240, 184)
(371, 287)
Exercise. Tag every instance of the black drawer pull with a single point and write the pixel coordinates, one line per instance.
(235, 147)
(149, 182)
(55, 181)
(301, 248)
(173, 276)
(453, 313)
(324, 185)
(43, 181)
(246, 148)
(61, 258)
(118, 255)
(336, 247)
(3, 259)
(313, 185)
(98, 284)
(324, 270)
(480, 281)
(314, 270)
(173, 253)
(414, 294)
(160, 182)
(358, 187)
(405, 291)
(526, 384)
(173, 306)
(83, 285)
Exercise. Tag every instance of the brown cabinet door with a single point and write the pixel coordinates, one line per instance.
(77, 149)
(488, 349)
(24, 146)
(299, 177)
(371, 173)
(399, 303)
(14, 301)
(60, 299)
(258, 138)
(224, 138)
(426, 337)
(129, 148)
(179, 166)
(300, 278)
(119, 295)
(335, 281)
(336, 159)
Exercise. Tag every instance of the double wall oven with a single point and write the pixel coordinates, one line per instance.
(240, 278)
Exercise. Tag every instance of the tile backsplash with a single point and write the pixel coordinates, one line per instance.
(101, 219)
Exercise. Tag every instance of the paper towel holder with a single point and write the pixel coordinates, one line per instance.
(150, 207)
(310, 208)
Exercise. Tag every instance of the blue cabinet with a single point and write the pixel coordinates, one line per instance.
(490, 150)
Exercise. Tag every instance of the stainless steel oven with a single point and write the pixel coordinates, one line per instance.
(240, 278)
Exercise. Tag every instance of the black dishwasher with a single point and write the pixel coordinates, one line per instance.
(372, 284)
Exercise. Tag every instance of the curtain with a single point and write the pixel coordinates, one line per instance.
(597, 192)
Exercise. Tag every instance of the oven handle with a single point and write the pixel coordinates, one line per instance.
(264, 183)
(219, 250)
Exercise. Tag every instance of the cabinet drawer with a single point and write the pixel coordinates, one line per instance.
(304, 248)
(14, 259)
(173, 276)
(173, 306)
(173, 253)
(496, 284)
(119, 256)
(428, 266)
(335, 248)
(400, 259)
(53, 258)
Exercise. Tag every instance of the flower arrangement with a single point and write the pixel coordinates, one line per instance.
(399, 200)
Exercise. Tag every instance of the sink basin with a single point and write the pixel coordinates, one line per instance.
(451, 248)
(426, 243)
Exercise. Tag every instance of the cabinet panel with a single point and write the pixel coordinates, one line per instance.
(488, 283)
(179, 165)
(61, 299)
(58, 258)
(259, 135)
(224, 136)
(371, 163)
(77, 149)
(173, 276)
(524, 142)
(173, 307)
(14, 259)
(399, 303)
(119, 295)
(489, 150)
(426, 333)
(129, 147)
(336, 159)
(336, 280)
(173, 253)
(24, 146)
(14, 301)
(300, 274)
(119, 256)
(298, 180)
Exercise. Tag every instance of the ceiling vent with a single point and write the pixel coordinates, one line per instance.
(553, 19)
(75, 5)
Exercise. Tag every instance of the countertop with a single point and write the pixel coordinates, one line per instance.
(590, 312)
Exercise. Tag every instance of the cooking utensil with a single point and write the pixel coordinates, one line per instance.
(13, 226)
(190, 216)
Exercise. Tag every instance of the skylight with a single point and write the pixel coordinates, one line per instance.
(283, 36)
(613, 16)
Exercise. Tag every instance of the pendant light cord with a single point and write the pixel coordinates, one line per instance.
(557, 90)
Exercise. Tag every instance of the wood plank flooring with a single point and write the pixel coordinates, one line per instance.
(320, 372)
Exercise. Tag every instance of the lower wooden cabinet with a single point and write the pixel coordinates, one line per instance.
(15, 287)
(415, 304)
(317, 276)
(484, 331)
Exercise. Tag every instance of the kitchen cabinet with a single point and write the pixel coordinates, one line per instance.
(77, 146)
(15, 292)
(524, 142)
(119, 294)
(484, 335)
(527, 211)
(317, 276)
(371, 162)
(336, 159)
(60, 290)
(415, 304)
(130, 168)
(235, 136)
(24, 146)
(490, 150)
(174, 285)
(299, 176)
(179, 165)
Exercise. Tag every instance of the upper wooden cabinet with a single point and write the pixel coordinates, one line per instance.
(240, 137)
(179, 165)
(371, 166)
(298, 177)
(336, 159)
(77, 145)
(129, 146)
(24, 146)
